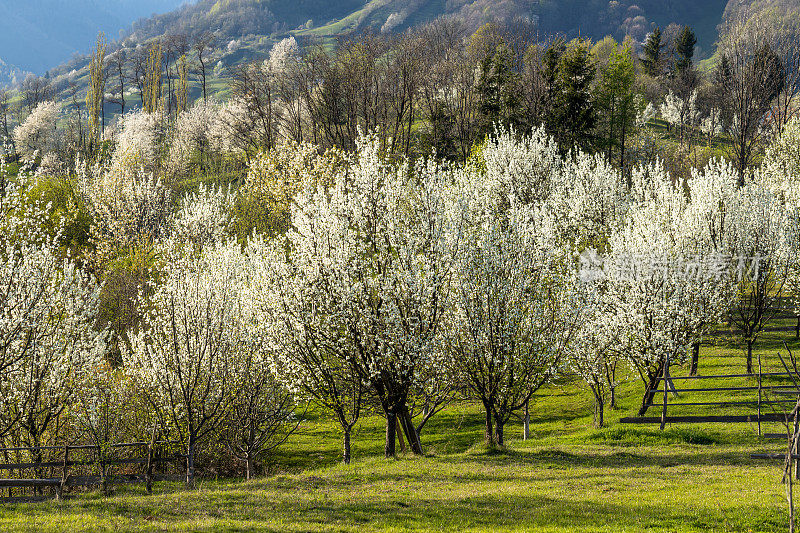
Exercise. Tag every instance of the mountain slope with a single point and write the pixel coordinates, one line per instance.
(38, 34)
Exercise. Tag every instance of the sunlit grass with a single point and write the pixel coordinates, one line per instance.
(568, 477)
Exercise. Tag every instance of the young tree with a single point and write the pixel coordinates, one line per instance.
(261, 413)
(183, 356)
(119, 64)
(95, 95)
(379, 245)
(590, 353)
(202, 44)
(310, 353)
(616, 100)
(512, 313)
(759, 240)
(662, 293)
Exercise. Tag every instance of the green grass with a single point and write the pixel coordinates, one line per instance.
(568, 477)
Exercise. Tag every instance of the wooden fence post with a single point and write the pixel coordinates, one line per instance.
(664, 376)
(149, 471)
(759, 394)
(64, 476)
(794, 451)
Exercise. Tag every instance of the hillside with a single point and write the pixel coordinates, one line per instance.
(36, 35)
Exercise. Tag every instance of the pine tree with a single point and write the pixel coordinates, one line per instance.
(684, 47)
(574, 106)
(651, 60)
(499, 102)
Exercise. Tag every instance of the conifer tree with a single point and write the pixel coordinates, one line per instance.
(651, 60)
(574, 106)
(684, 47)
(499, 102)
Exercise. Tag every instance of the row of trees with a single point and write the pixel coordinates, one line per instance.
(382, 283)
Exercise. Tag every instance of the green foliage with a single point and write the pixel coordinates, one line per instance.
(652, 53)
(497, 91)
(574, 113)
(617, 101)
(126, 281)
(67, 212)
(684, 48)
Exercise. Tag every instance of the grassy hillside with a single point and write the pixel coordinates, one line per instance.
(568, 477)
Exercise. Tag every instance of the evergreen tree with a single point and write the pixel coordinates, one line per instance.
(574, 111)
(496, 87)
(651, 60)
(684, 47)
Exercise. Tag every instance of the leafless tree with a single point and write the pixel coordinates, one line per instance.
(118, 63)
(203, 44)
(751, 76)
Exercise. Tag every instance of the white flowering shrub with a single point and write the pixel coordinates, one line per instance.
(37, 133)
(520, 169)
(48, 308)
(203, 216)
(126, 208)
(198, 134)
(139, 143)
(184, 355)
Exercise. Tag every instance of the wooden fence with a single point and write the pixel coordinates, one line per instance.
(95, 468)
(767, 404)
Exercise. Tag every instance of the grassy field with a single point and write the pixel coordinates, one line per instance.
(568, 477)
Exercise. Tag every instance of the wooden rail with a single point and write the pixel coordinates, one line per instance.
(103, 479)
(757, 403)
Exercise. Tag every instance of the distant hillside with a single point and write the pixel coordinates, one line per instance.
(246, 29)
(36, 35)
(9, 74)
(233, 19)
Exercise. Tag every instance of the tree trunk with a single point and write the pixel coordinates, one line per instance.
(391, 425)
(249, 468)
(499, 439)
(411, 433)
(190, 462)
(749, 356)
(346, 447)
(796, 328)
(652, 387)
(599, 406)
(400, 439)
(526, 423)
(612, 403)
(695, 358)
(489, 431)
